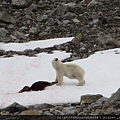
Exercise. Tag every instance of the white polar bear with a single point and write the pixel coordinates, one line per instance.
(69, 70)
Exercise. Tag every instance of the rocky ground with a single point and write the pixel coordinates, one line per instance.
(94, 24)
(88, 105)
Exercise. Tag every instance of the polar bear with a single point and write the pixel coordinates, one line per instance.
(69, 70)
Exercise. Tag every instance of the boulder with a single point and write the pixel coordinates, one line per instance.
(88, 99)
(21, 3)
(15, 107)
(3, 32)
(6, 18)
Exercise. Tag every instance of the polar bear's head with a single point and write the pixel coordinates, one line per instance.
(56, 63)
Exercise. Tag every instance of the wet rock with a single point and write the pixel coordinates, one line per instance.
(15, 107)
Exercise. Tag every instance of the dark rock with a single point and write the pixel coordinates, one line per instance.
(6, 18)
(21, 3)
(38, 49)
(2, 52)
(69, 16)
(114, 99)
(104, 20)
(15, 107)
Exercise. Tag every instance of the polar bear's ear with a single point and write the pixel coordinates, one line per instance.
(56, 59)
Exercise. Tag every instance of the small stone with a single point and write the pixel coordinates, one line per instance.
(33, 30)
(66, 22)
(76, 20)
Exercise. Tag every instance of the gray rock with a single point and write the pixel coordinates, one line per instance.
(23, 29)
(77, 39)
(82, 113)
(56, 112)
(7, 18)
(89, 98)
(102, 100)
(43, 106)
(34, 7)
(114, 98)
(69, 16)
(19, 35)
(50, 22)
(4, 113)
(47, 113)
(3, 32)
(76, 20)
(33, 30)
(21, 3)
(69, 110)
(66, 22)
(92, 3)
(107, 40)
(42, 18)
(15, 107)
(59, 11)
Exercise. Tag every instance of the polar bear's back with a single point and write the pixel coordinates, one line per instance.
(73, 66)
(71, 70)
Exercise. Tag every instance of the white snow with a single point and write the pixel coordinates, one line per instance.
(102, 75)
(34, 44)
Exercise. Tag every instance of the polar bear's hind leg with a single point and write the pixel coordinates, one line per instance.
(81, 80)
